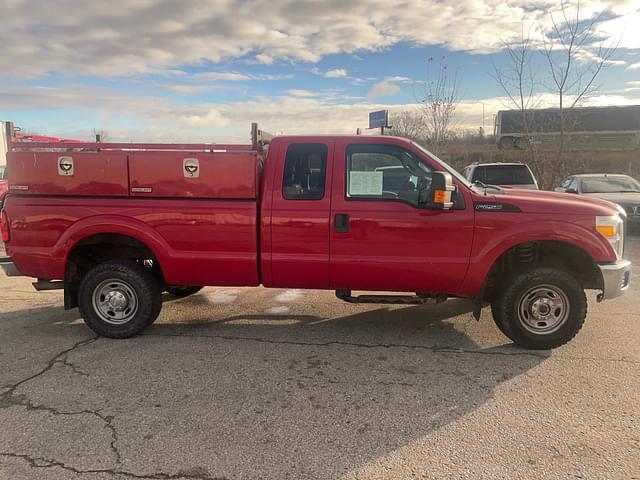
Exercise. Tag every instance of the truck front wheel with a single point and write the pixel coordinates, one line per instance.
(118, 299)
(541, 308)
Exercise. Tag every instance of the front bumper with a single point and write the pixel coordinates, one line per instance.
(615, 279)
(9, 267)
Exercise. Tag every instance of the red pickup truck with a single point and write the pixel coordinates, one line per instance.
(116, 225)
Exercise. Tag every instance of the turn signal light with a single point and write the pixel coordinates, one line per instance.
(4, 225)
(439, 196)
(607, 230)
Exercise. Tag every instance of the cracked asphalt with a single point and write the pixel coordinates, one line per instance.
(239, 383)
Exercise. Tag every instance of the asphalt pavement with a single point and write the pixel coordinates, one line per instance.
(238, 383)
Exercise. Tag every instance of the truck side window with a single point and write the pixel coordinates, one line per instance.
(305, 168)
(385, 172)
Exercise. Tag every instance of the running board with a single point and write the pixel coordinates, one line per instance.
(417, 299)
(43, 285)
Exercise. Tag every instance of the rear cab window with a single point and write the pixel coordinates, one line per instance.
(305, 169)
(503, 175)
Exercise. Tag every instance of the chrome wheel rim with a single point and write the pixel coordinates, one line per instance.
(115, 301)
(543, 309)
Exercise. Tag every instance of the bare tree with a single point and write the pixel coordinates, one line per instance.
(439, 101)
(408, 124)
(518, 79)
(101, 134)
(576, 55)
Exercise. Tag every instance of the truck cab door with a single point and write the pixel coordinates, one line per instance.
(380, 238)
(300, 215)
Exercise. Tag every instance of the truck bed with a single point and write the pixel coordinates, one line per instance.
(200, 223)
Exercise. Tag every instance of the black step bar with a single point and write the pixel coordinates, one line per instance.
(417, 299)
(9, 267)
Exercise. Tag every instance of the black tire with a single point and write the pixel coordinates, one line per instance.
(505, 143)
(133, 282)
(523, 292)
(183, 291)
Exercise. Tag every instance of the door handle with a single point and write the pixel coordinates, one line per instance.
(341, 223)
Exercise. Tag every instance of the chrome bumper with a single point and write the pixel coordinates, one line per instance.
(615, 279)
(9, 267)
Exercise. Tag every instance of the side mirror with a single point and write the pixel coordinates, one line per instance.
(440, 195)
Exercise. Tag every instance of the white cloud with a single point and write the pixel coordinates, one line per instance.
(383, 89)
(296, 92)
(336, 73)
(398, 79)
(264, 58)
(634, 66)
(155, 119)
(216, 76)
(209, 119)
(121, 37)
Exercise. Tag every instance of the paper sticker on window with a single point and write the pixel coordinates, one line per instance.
(365, 183)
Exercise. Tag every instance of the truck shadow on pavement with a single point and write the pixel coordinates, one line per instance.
(269, 396)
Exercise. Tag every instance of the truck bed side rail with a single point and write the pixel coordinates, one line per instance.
(259, 138)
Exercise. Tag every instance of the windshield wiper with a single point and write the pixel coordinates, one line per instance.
(486, 186)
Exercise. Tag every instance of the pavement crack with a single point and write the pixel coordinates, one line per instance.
(447, 349)
(42, 462)
(9, 398)
(50, 364)
(74, 368)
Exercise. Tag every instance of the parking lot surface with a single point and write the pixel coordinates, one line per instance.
(237, 383)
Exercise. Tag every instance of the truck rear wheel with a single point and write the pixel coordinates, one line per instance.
(541, 308)
(118, 299)
(183, 291)
(505, 143)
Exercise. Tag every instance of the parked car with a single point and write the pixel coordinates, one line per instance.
(116, 225)
(514, 175)
(621, 189)
(4, 184)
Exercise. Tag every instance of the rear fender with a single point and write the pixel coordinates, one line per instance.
(114, 224)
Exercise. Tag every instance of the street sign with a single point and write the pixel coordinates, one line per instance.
(378, 119)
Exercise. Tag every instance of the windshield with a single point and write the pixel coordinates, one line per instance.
(503, 175)
(610, 185)
(444, 165)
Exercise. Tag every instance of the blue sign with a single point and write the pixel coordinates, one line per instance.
(378, 119)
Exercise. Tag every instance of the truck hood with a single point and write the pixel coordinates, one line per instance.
(552, 203)
(622, 198)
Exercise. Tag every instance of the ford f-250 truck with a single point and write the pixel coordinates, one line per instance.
(115, 225)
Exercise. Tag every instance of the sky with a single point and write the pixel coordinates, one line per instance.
(203, 70)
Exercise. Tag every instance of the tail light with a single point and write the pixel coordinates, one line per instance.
(4, 225)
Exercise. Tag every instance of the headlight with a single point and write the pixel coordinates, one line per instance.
(612, 228)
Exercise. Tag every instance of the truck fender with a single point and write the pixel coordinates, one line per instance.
(114, 224)
(574, 234)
